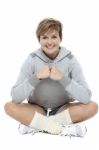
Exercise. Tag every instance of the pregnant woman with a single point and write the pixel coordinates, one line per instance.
(52, 82)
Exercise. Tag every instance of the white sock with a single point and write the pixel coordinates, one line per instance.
(43, 123)
(62, 117)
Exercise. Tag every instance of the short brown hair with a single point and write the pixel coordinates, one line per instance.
(46, 24)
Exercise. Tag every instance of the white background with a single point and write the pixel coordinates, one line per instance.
(18, 22)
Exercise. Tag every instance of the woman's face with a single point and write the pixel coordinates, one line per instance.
(50, 43)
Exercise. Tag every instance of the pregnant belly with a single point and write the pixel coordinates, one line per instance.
(50, 93)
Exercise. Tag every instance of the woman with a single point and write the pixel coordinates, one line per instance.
(52, 81)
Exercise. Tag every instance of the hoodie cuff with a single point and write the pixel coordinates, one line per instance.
(34, 80)
(65, 81)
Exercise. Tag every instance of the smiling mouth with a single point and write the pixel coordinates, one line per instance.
(50, 48)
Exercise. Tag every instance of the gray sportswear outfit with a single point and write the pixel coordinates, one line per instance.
(49, 93)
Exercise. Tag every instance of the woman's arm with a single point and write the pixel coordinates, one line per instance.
(26, 81)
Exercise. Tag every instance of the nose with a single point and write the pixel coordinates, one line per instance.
(49, 41)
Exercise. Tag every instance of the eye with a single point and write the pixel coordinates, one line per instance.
(44, 37)
(54, 37)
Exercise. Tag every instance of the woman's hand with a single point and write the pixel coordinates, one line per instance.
(43, 73)
(55, 74)
(50, 72)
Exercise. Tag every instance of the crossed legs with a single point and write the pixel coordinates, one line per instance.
(24, 112)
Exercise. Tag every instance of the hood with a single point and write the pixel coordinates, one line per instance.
(62, 54)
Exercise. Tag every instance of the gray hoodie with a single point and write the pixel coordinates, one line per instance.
(47, 92)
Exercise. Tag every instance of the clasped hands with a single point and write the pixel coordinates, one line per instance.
(49, 72)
